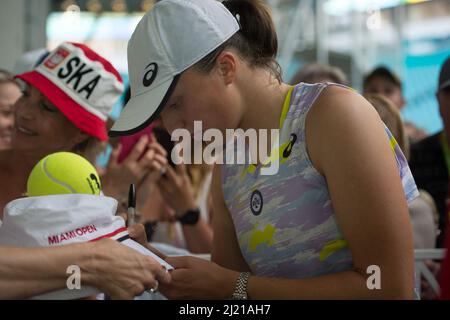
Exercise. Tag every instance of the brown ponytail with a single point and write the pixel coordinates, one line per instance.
(256, 41)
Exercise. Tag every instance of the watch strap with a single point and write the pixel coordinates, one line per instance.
(240, 290)
(191, 217)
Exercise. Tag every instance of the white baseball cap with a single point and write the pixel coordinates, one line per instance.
(170, 38)
(55, 220)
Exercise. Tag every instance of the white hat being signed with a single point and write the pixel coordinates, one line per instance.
(64, 219)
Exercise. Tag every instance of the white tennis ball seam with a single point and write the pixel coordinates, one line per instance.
(62, 183)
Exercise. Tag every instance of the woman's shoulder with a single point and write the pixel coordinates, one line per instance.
(340, 108)
(334, 98)
(345, 114)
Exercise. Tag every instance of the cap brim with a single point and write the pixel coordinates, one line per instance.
(142, 109)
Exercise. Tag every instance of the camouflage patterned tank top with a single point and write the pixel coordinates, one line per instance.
(285, 223)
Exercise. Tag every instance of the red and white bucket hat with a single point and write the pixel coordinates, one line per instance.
(83, 85)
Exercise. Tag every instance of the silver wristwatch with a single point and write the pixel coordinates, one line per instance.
(240, 290)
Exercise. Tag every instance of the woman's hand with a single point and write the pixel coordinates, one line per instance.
(138, 234)
(121, 272)
(142, 167)
(176, 189)
(157, 169)
(195, 278)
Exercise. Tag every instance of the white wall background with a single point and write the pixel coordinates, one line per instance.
(22, 28)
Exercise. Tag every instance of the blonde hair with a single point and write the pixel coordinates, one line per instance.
(390, 115)
(198, 174)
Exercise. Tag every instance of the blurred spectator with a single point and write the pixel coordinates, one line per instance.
(392, 118)
(184, 190)
(9, 93)
(422, 210)
(54, 115)
(382, 81)
(316, 72)
(430, 158)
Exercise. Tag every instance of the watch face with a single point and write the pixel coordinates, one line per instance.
(191, 217)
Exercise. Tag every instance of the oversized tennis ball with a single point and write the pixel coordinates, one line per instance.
(63, 173)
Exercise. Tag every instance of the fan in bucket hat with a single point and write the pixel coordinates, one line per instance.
(55, 220)
(83, 85)
(162, 47)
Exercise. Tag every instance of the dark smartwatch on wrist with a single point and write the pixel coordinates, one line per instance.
(190, 218)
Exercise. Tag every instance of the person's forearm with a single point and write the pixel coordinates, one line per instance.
(25, 272)
(198, 237)
(342, 285)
